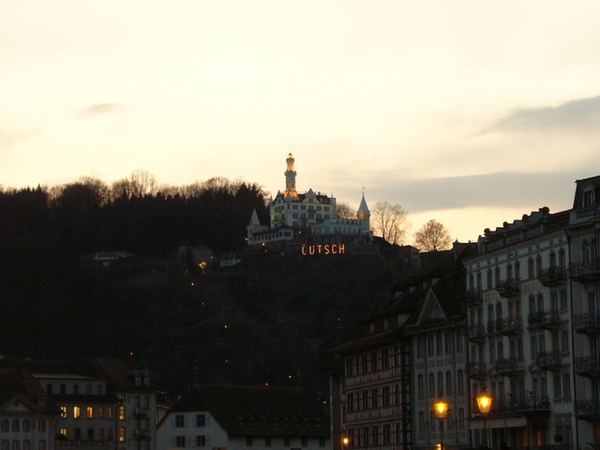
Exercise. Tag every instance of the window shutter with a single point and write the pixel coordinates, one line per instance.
(173, 441)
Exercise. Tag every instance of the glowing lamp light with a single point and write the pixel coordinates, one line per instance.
(484, 402)
(345, 441)
(441, 409)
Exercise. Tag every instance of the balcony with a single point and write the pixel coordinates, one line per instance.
(509, 326)
(139, 411)
(476, 333)
(474, 297)
(587, 323)
(587, 410)
(587, 366)
(508, 288)
(543, 319)
(553, 277)
(476, 370)
(510, 367)
(492, 327)
(521, 406)
(549, 361)
(141, 434)
(585, 272)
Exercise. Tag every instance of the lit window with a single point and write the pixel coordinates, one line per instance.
(63, 432)
(121, 413)
(109, 413)
(122, 435)
(89, 412)
(76, 412)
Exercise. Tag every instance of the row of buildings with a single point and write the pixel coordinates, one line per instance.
(102, 404)
(514, 316)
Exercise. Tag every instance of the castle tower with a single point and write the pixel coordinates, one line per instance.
(363, 212)
(290, 179)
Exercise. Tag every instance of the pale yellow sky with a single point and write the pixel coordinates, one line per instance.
(469, 112)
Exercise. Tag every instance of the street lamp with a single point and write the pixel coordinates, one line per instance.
(440, 409)
(484, 402)
(345, 442)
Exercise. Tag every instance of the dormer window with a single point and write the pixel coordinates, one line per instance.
(588, 197)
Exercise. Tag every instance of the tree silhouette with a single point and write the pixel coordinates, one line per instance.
(432, 236)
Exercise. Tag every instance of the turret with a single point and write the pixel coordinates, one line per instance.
(290, 178)
(363, 212)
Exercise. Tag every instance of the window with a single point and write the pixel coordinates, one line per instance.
(123, 436)
(304, 441)
(556, 381)
(42, 445)
(26, 425)
(121, 413)
(89, 412)
(179, 441)
(76, 412)
(100, 412)
(16, 425)
(109, 413)
(5, 425)
(179, 421)
(16, 445)
(566, 385)
(201, 441)
(63, 432)
(268, 441)
(200, 420)
(460, 382)
(41, 425)
(286, 441)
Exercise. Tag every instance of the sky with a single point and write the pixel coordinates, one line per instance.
(470, 112)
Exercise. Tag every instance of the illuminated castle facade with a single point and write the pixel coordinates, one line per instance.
(309, 218)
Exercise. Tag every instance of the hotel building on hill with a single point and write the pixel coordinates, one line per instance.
(307, 219)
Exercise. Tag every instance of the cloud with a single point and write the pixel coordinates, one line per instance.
(578, 114)
(10, 137)
(98, 108)
(528, 191)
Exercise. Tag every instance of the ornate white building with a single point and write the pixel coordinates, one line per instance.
(309, 218)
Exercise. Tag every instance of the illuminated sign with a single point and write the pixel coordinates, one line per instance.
(334, 249)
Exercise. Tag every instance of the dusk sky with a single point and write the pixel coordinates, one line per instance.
(469, 112)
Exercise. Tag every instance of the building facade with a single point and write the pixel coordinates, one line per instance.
(241, 417)
(307, 219)
(523, 329)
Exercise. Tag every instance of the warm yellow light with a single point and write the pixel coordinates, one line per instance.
(441, 409)
(345, 441)
(484, 402)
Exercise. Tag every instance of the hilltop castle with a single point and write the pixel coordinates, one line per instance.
(308, 219)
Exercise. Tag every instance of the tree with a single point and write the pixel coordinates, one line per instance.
(345, 211)
(390, 222)
(433, 236)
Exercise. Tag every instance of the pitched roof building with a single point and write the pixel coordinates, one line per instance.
(236, 417)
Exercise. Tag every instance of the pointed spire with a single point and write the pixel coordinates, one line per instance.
(363, 210)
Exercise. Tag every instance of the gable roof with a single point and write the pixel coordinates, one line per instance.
(244, 410)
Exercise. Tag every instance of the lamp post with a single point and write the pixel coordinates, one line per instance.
(440, 409)
(484, 402)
